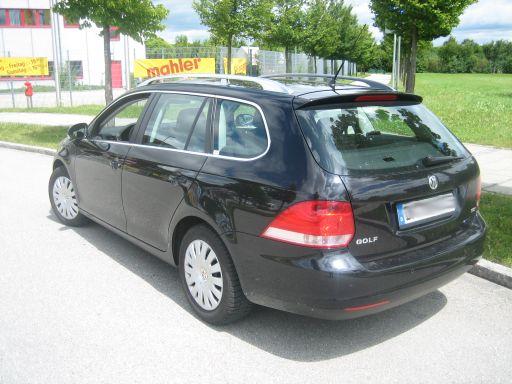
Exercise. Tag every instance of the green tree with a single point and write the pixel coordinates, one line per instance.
(155, 46)
(332, 32)
(228, 20)
(286, 27)
(139, 19)
(316, 28)
(499, 54)
(417, 20)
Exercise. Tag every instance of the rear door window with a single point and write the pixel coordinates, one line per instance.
(178, 122)
(375, 137)
(239, 130)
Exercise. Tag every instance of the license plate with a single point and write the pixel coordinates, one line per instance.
(421, 211)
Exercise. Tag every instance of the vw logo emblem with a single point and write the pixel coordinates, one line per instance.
(433, 182)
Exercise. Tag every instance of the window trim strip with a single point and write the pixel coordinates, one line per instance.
(182, 150)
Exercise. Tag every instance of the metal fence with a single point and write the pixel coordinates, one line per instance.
(81, 78)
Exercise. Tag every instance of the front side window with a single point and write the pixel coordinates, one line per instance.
(119, 124)
(178, 122)
(375, 137)
(240, 130)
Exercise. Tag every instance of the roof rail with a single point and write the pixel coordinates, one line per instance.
(265, 84)
(371, 83)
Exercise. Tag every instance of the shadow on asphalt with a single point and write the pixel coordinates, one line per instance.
(283, 334)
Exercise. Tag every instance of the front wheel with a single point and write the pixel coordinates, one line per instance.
(62, 195)
(209, 278)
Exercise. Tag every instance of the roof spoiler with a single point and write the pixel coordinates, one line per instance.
(363, 98)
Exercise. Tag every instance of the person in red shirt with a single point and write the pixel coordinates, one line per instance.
(29, 92)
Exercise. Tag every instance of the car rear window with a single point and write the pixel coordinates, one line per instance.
(351, 138)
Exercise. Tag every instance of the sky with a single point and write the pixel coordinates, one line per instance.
(483, 21)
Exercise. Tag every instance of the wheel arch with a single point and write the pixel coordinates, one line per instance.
(58, 163)
(183, 225)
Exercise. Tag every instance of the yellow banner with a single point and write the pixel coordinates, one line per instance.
(23, 66)
(161, 67)
(238, 66)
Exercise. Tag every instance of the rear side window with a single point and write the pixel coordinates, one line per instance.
(178, 122)
(375, 137)
(240, 130)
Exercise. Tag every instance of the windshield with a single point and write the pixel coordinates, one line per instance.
(376, 137)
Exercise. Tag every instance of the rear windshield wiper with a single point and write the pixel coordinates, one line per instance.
(430, 161)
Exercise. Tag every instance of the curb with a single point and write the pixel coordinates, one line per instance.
(485, 269)
(496, 273)
(28, 148)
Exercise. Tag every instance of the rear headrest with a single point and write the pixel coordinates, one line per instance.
(186, 119)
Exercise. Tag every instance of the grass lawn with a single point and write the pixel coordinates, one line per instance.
(39, 135)
(90, 109)
(476, 107)
(497, 212)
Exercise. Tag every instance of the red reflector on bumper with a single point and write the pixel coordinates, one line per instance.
(367, 306)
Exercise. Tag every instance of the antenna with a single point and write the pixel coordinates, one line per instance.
(333, 81)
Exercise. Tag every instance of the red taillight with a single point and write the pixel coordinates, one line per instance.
(478, 190)
(376, 97)
(318, 224)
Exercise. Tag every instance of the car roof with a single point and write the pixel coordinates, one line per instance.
(299, 88)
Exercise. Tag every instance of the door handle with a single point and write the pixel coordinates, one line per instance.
(177, 178)
(116, 163)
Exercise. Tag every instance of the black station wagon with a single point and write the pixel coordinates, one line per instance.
(296, 192)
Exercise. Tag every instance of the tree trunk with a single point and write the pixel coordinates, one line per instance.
(314, 61)
(411, 70)
(287, 60)
(230, 44)
(108, 64)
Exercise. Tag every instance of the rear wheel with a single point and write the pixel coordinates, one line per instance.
(62, 195)
(209, 278)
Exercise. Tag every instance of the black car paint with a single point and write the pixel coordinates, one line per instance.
(163, 189)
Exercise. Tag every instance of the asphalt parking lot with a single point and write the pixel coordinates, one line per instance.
(85, 306)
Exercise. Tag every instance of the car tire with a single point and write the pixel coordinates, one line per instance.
(209, 277)
(62, 195)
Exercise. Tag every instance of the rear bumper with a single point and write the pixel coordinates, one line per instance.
(308, 282)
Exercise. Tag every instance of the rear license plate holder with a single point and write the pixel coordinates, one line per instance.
(425, 210)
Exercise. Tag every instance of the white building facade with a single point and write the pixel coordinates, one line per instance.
(26, 31)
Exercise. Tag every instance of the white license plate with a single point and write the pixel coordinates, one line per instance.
(419, 211)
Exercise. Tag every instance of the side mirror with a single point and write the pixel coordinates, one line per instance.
(77, 131)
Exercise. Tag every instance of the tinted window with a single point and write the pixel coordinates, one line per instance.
(15, 16)
(44, 16)
(3, 17)
(178, 122)
(118, 125)
(375, 138)
(240, 130)
(29, 17)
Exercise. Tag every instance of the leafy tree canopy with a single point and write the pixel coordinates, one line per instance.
(286, 24)
(227, 19)
(431, 18)
(139, 19)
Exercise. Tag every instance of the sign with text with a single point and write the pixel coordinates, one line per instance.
(23, 66)
(238, 66)
(161, 67)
